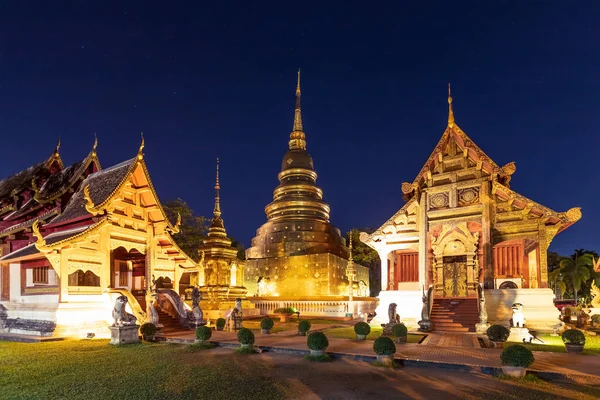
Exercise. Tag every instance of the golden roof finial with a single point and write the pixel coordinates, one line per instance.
(217, 211)
(450, 111)
(40, 242)
(57, 146)
(351, 258)
(297, 137)
(140, 154)
(95, 146)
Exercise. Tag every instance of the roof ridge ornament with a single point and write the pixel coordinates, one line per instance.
(95, 146)
(140, 154)
(40, 242)
(450, 110)
(297, 137)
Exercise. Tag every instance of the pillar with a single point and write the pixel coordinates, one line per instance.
(383, 256)
(423, 228)
(486, 237)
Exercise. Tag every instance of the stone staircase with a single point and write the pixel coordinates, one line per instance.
(454, 315)
(169, 323)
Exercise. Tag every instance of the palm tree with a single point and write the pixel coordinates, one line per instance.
(577, 270)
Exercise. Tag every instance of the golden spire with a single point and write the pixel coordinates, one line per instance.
(140, 154)
(57, 146)
(450, 111)
(297, 136)
(217, 211)
(351, 259)
(95, 144)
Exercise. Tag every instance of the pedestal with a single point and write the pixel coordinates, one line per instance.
(481, 329)
(425, 326)
(518, 334)
(126, 334)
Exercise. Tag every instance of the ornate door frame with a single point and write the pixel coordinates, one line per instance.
(455, 239)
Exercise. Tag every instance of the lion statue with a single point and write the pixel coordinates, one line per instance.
(518, 318)
(196, 315)
(392, 315)
(119, 314)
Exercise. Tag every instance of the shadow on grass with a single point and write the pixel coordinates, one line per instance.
(321, 358)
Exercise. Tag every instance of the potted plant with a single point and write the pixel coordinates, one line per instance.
(203, 333)
(246, 338)
(498, 335)
(401, 332)
(385, 348)
(148, 330)
(284, 313)
(317, 343)
(596, 320)
(303, 327)
(362, 329)
(266, 325)
(515, 359)
(574, 340)
(220, 324)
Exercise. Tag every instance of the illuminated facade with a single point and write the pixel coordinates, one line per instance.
(463, 225)
(112, 237)
(298, 253)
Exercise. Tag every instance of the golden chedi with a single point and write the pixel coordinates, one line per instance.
(298, 252)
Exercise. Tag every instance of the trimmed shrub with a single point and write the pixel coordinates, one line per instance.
(596, 318)
(266, 323)
(384, 346)
(285, 310)
(362, 328)
(245, 336)
(304, 326)
(516, 356)
(399, 330)
(498, 333)
(221, 322)
(148, 329)
(573, 336)
(203, 333)
(317, 341)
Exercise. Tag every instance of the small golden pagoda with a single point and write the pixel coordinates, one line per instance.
(298, 251)
(221, 273)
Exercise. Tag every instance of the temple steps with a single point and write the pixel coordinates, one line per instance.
(454, 315)
(169, 323)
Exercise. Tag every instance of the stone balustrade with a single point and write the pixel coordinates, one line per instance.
(324, 307)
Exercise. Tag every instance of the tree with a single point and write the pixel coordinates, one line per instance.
(367, 257)
(241, 254)
(577, 270)
(192, 231)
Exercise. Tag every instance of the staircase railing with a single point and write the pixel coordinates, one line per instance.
(430, 298)
(171, 303)
(135, 306)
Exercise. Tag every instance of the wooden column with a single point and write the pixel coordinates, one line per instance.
(423, 228)
(485, 244)
(383, 257)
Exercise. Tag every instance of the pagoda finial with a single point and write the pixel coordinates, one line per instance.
(297, 137)
(140, 154)
(450, 111)
(351, 258)
(57, 146)
(217, 211)
(95, 144)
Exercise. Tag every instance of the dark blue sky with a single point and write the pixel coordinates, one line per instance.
(217, 79)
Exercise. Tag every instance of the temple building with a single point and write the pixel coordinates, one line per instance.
(221, 272)
(111, 238)
(298, 253)
(461, 226)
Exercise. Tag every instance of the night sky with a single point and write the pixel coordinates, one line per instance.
(216, 79)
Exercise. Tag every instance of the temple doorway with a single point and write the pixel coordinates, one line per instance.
(128, 272)
(455, 276)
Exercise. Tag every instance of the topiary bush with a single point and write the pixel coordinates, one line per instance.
(317, 341)
(221, 322)
(285, 310)
(362, 328)
(516, 356)
(399, 330)
(148, 329)
(573, 336)
(304, 326)
(266, 323)
(203, 333)
(384, 346)
(498, 333)
(245, 336)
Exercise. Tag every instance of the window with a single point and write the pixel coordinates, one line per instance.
(40, 275)
(123, 274)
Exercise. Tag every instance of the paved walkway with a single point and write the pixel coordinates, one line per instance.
(452, 340)
(586, 366)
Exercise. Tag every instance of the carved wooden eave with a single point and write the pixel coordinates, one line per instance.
(43, 247)
(513, 208)
(403, 220)
(468, 148)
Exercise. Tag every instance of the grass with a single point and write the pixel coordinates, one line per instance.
(92, 369)
(321, 358)
(201, 346)
(291, 325)
(348, 333)
(246, 350)
(556, 345)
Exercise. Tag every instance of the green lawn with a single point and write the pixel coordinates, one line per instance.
(82, 369)
(555, 344)
(348, 333)
(291, 325)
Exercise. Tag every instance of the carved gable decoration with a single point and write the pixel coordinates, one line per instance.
(439, 201)
(468, 196)
(456, 239)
